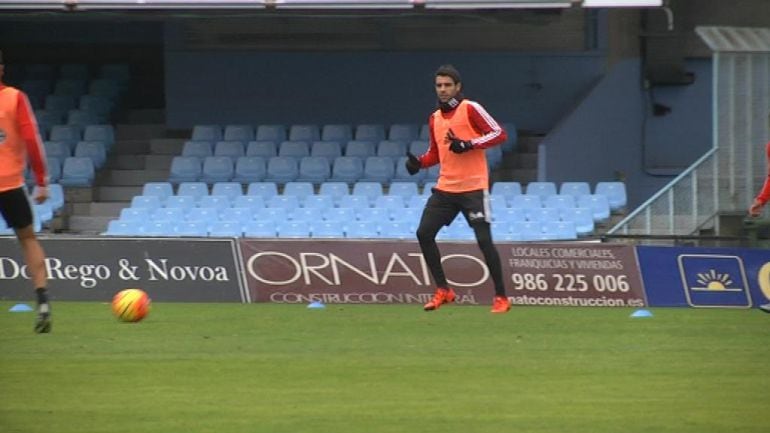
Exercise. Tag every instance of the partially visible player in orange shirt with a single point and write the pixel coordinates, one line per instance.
(760, 201)
(20, 143)
(460, 130)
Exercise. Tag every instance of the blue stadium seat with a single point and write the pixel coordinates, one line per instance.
(226, 229)
(123, 228)
(262, 189)
(354, 201)
(230, 190)
(320, 202)
(185, 169)
(253, 202)
(172, 214)
(417, 201)
(249, 169)
(82, 118)
(541, 189)
(378, 169)
(301, 190)
(582, 218)
(347, 169)
(66, 133)
(559, 230)
(368, 189)
(230, 149)
(307, 215)
(392, 149)
(389, 202)
(340, 215)
(284, 202)
(57, 149)
(615, 193)
(180, 201)
(361, 230)
(574, 189)
(304, 133)
(96, 150)
(360, 149)
(59, 103)
(396, 230)
(282, 169)
(276, 133)
(241, 215)
(315, 169)
(293, 229)
(599, 205)
(527, 230)
(104, 133)
(418, 147)
(337, 132)
(525, 201)
(294, 149)
(242, 133)
(370, 132)
(327, 230)
(403, 132)
(99, 105)
(336, 190)
(217, 169)
(326, 149)
(559, 201)
(132, 214)
(260, 229)
(56, 196)
(509, 215)
(192, 228)
(264, 149)
(206, 215)
(215, 201)
(401, 175)
(372, 214)
(508, 189)
(409, 215)
(424, 132)
(501, 231)
(457, 231)
(193, 189)
(77, 171)
(46, 119)
(210, 133)
(404, 189)
(542, 214)
(497, 202)
(146, 201)
(54, 165)
(162, 190)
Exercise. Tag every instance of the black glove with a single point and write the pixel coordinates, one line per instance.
(412, 163)
(456, 145)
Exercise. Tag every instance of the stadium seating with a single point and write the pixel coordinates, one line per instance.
(242, 133)
(368, 189)
(326, 149)
(542, 189)
(304, 133)
(217, 169)
(95, 150)
(262, 189)
(193, 189)
(180, 201)
(294, 149)
(231, 149)
(347, 169)
(211, 133)
(574, 189)
(249, 169)
(378, 169)
(226, 229)
(185, 169)
(370, 132)
(264, 149)
(334, 189)
(282, 169)
(301, 190)
(77, 171)
(361, 149)
(403, 132)
(146, 201)
(315, 169)
(337, 132)
(275, 133)
(231, 190)
(615, 193)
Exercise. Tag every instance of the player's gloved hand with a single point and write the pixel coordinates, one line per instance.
(456, 145)
(412, 163)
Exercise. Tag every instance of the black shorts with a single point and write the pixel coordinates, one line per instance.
(442, 207)
(15, 208)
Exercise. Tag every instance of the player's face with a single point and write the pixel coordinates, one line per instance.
(446, 88)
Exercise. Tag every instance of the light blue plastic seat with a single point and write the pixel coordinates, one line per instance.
(249, 169)
(396, 230)
(216, 201)
(206, 215)
(123, 228)
(185, 169)
(403, 132)
(217, 169)
(361, 230)
(173, 214)
(192, 229)
(341, 215)
(239, 214)
(260, 229)
(560, 230)
(241, 133)
(54, 165)
(525, 201)
(508, 189)
(581, 217)
(615, 193)
(360, 149)
(527, 230)
(326, 149)
(392, 149)
(96, 150)
(103, 133)
(509, 215)
(497, 202)
(374, 214)
(354, 201)
(409, 215)
(146, 202)
(320, 202)
(226, 229)
(57, 149)
(293, 229)
(301, 190)
(211, 133)
(230, 149)
(253, 202)
(314, 169)
(542, 214)
(559, 201)
(542, 189)
(276, 133)
(193, 189)
(418, 147)
(180, 201)
(306, 215)
(77, 171)
(347, 169)
(370, 132)
(99, 105)
(69, 134)
(598, 204)
(264, 149)
(327, 230)
(262, 189)
(282, 169)
(83, 118)
(336, 190)
(231, 190)
(574, 189)
(378, 169)
(389, 202)
(404, 189)
(304, 133)
(198, 149)
(287, 202)
(370, 190)
(417, 201)
(337, 132)
(132, 214)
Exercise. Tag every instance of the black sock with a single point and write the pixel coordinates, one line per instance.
(42, 295)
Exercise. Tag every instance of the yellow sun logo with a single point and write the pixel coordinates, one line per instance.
(713, 281)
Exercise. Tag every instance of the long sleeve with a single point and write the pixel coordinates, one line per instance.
(29, 133)
(764, 194)
(492, 133)
(430, 158)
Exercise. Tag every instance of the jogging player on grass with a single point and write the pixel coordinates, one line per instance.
(20, 142)
(460, 130)
(759, 202)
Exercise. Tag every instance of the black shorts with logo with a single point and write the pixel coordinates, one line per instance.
(15, 208)
(442, 207)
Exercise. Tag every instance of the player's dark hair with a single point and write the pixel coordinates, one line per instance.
(449, 71)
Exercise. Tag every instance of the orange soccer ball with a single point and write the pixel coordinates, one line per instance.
(131, 305)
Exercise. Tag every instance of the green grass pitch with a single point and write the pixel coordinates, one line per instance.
(225, 368)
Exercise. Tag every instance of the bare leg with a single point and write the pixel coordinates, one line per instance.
(34, 256)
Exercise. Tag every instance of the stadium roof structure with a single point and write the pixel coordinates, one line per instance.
(735, 39)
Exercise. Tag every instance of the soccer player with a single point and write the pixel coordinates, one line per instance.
(760, 201)
(19, 142)
(460, 130)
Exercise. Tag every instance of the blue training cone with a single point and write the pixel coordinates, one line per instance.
(20, 308)
(641, 313)
(316, 305)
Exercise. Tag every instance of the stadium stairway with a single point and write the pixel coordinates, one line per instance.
(521, 164)
(142, 153)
